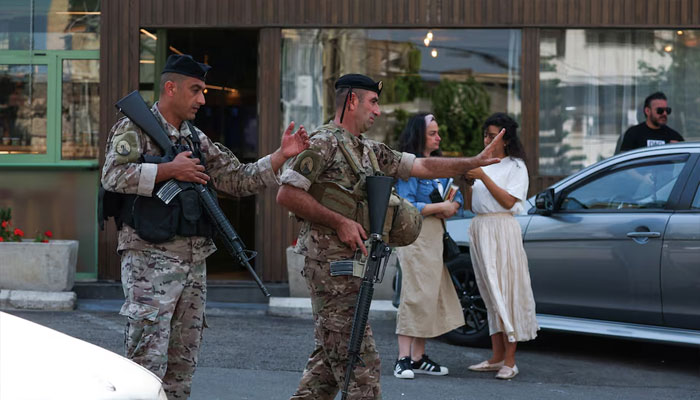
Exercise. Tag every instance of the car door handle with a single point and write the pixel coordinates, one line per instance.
(643, 234)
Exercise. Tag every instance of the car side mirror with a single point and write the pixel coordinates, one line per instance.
(544, 202)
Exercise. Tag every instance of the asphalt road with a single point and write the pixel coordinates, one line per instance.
(249, 355)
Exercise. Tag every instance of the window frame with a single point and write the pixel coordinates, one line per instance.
(53, 59)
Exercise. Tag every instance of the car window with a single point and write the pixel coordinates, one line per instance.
(646, 186)
(696, 200)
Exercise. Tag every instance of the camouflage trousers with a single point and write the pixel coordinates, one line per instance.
(333, 302)
(165, 299)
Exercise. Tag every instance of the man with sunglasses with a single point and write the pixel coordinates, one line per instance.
(653, 131)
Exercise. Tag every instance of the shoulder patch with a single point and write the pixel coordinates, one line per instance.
(308, 163)
(125, 145)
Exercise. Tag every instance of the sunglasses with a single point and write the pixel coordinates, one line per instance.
(661, 110)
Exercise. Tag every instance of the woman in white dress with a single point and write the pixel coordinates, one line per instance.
(429, 304)
(496, 247)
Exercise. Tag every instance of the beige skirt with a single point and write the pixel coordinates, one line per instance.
(502, 275)
(429, 304)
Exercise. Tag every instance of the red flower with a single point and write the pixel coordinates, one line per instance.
(5, 223)
(48, 234)
(18, 232)
(1, 239)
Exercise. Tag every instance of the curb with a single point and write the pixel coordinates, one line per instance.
(300, 307)
(34, 300)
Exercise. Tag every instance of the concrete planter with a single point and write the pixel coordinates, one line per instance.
(47, 267)
(297, 283)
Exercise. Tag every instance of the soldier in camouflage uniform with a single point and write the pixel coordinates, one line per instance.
(165, 283)
(327, 235)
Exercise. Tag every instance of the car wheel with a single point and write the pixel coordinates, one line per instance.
(475, 332)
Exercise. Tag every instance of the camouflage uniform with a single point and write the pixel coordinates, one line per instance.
(333, 298)
(165, 284)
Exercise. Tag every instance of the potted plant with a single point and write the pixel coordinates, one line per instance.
(41, 264)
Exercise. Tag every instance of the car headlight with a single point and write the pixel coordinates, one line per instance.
(161, 394)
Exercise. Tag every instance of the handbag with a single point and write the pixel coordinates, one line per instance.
(450, 250)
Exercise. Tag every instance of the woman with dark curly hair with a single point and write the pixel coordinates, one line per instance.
(429, 304)
(496, 247)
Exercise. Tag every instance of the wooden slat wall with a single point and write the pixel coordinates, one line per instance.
(119, 74)
(530, 86)
(420, 13)
(273, 233)
(121, 20)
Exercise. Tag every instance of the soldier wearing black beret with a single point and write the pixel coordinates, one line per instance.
(322, 186)
(164, 279)
(184, 64)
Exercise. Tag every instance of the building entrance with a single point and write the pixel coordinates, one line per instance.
(229, 115)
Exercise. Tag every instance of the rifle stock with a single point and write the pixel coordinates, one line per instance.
(134, 108)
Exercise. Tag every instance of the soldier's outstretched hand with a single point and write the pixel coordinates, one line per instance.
(486, 156)
(294, 143)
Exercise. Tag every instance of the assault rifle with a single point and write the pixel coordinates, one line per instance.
(133, 106)
(378, 192)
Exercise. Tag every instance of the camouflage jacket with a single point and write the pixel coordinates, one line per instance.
(323, 162)
(123, 173)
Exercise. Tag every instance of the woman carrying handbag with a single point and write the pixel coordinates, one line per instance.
(429, 304)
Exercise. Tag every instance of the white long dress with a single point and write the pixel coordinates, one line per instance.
(498, 255)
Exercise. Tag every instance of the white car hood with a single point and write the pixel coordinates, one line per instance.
(40, 363)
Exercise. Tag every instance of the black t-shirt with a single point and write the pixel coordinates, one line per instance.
(643, 136)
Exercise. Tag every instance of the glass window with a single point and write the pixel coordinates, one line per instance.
(593, 84)
(50, 25)
(645, 186)
(80, 109)
(23, 99)
(461, 76)
(696, 200)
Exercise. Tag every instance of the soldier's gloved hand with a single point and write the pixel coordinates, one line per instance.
(186, 169)
(352, 234)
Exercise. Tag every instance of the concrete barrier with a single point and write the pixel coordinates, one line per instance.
(297, 283)
(44, 267)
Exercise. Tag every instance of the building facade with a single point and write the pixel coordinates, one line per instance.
(574, 73)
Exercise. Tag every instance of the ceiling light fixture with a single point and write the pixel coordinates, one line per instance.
(149, 34)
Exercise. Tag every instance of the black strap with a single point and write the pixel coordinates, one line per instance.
(194, 138)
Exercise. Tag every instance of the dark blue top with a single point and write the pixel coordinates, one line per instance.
(417, 191)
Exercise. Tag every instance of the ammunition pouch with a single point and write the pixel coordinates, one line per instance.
(403, 221)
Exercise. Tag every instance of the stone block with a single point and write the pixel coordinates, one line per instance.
(48, 267)
(34, 300)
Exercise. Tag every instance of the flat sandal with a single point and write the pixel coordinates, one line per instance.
(486, 366)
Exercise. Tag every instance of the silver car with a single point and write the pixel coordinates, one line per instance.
(613, 250)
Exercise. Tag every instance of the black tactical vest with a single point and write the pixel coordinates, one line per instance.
(156, 221)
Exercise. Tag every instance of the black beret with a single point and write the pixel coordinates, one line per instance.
(358, 81)
(184, 64)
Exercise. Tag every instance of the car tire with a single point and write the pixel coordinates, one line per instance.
(475, 332)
